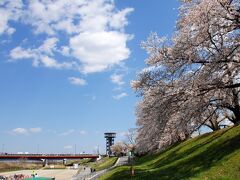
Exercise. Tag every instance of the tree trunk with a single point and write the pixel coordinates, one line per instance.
(236, 109)
(215, 125)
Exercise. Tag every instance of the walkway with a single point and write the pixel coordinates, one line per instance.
(120, 162)
(83, 174)
(87, 175)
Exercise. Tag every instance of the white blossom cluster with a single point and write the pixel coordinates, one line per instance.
(192, 79)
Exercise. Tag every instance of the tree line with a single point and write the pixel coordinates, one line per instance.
(193, 78)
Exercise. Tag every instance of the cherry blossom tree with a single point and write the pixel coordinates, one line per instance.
(192, 78)
(119, 148)
(130, 140)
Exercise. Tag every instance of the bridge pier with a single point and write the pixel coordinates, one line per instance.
(64, 161)
(94, 159)
(45, 162)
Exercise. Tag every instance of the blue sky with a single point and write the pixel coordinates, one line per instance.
(66, 68)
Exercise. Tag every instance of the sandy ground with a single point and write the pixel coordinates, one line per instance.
(59, 174)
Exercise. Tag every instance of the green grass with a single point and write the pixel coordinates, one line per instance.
(84, 161)
(104, 163)
(212, 156)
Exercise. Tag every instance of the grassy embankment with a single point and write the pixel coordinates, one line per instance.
(104, 163)
(210, 156)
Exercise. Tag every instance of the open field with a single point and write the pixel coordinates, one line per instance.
(59, 174)
(4, 166)
(210, 156)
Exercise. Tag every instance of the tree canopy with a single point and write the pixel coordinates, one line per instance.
(193, 78)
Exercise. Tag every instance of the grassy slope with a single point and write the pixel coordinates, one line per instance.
(210, 156)
(104, 163)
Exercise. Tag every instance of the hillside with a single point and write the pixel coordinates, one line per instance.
(210, 156)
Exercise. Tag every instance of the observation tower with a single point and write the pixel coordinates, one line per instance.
(109, 141)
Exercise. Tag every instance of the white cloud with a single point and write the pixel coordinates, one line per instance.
(10, 31)
(95, 29)
(68, 132)
(20, 131)
(52, 63)
(120, 96)
(41, 56)
(77, 81)
(98, 51)
(65, 50)
(9, 10)
(68, 147)
(117, 79)
(35, 130)
(48, 46)
(66, 25)
(51, 16)
(4, 21)
(20, 53)
(25, 131)
(119, 19)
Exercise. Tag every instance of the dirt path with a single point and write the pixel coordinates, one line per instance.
(59, 174)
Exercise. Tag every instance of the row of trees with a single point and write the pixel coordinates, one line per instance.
(192, 79)
(126, 146)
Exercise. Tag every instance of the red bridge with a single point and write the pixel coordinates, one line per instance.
(48, 156)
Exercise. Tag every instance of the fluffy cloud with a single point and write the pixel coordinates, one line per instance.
(119, 20)
(65, 50)
(95, 30)
(25, 131)
(117, 79)
(20, 131)
(41, 56)
(48, 46)
(98, 51)
(77, 81)
(74, 16)
(120, 96)
(20, 53)
(9, 11)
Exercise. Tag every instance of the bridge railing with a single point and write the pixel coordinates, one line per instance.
(48, 156)
(6, 154)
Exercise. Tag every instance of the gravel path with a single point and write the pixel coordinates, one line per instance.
(85, 173)
(59, 174)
